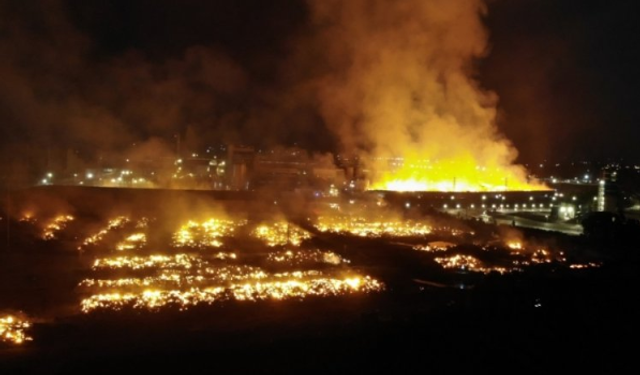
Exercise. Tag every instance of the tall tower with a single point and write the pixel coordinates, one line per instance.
(601, 193)
(610, 191)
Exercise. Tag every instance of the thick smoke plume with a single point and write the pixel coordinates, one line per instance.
(399, 83)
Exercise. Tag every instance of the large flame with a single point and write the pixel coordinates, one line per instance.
(452, 176)
(401, 91)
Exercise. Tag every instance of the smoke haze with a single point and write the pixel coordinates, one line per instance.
(377, 78)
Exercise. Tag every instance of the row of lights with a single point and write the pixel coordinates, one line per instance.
(48, 179)
(516, 206)
(498, 196)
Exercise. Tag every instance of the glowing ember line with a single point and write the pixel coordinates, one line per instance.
(132, 242)
(306, 256)
(291, 288)
(151, 299)
(469, 263)
(113, 224)
(209, 276)
(136, 263)
(579, 266)
(301, 288)
(434, 246)
(58, 224)
(367, 228)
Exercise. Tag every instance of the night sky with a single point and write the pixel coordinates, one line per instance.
(99, 76)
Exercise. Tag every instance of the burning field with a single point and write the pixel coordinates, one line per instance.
(195, 269)
(157, 260)
(218, 275)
